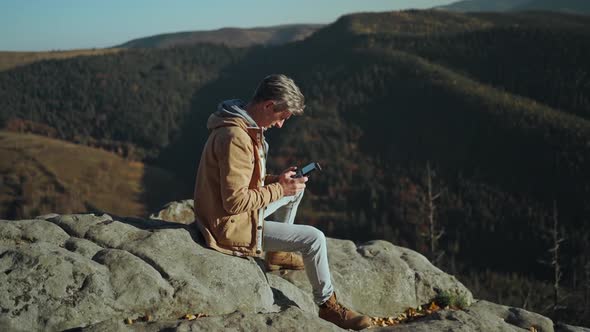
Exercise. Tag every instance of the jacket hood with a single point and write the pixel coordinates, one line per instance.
(231, 113)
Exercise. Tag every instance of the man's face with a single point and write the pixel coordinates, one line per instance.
(280, 118)
(274, 118)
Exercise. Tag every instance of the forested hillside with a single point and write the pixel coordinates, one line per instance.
(542, 56)
(496, 105)
(133, 102)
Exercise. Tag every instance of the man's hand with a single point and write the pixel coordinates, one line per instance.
(290, 185)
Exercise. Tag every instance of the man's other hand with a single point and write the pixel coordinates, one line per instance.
(291, 186)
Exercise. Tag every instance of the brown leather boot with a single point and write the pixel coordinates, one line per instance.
(335, 313)
(277, 260)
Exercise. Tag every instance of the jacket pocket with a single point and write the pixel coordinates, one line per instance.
(234, 230)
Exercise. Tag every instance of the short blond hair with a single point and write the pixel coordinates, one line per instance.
(282, 89)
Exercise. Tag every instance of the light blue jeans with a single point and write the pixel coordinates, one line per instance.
(284, 235)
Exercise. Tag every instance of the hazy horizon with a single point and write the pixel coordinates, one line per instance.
(37, 25)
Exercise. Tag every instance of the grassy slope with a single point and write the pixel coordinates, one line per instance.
(40, 175)
(10, 60)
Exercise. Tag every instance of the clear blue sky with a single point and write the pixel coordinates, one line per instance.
(36, 25)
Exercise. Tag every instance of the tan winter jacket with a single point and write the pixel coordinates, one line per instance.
(229, 191)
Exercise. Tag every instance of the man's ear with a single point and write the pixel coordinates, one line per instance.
(268, 105)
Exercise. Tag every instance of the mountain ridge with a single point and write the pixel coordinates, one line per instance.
(568, 6)
(230, 36)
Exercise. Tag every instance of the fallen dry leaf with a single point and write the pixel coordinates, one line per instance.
(411, 314)
(433, 306)
(195, 316)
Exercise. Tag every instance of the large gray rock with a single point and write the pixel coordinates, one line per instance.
(376, 278)
(481, 316)
(287, 294)
(76, 270)
(93, 272)
(381, 279)
(291, 319)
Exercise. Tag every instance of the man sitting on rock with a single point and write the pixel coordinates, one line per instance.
(233, 194)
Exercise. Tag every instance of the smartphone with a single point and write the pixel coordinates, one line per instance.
(307, 169)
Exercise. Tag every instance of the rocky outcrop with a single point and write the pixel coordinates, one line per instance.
(481, 316)
(177, 211)
(381, 279)
(93, 272)
(74, 270)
